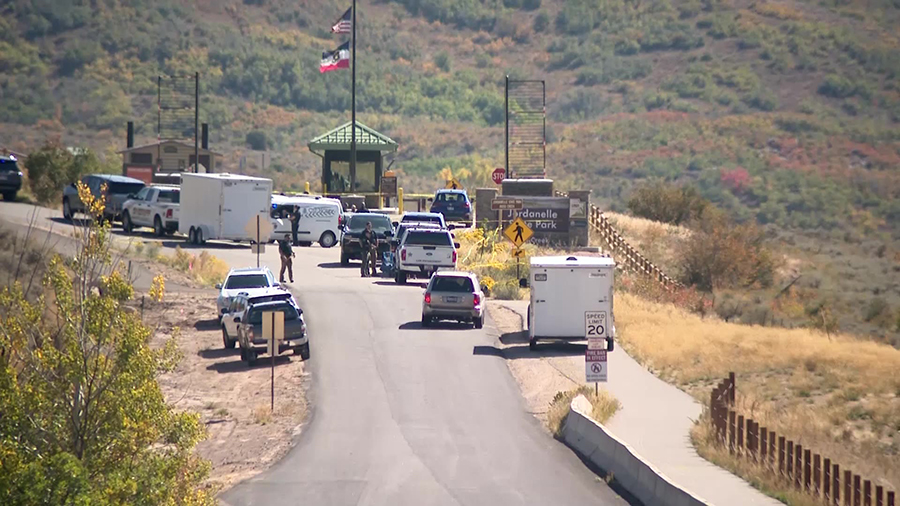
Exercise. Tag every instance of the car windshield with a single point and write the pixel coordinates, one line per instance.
(456, 284)
(380, 224)
(169, 196)
(8, 165)
(426, 219)
(451, 198)
(246, 281)
(124, 188)
(420, 237)
(290, 313)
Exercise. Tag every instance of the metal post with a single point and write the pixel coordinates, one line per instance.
(142, 308)
(274, 349)
(353, 100)
(257, 243)
(197, 122)
(506, 123)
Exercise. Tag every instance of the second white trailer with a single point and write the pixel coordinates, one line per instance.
(219, 206)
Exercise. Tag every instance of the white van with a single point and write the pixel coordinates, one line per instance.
(320, 218)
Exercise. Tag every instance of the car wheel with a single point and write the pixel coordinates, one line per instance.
(303, 351)
(192, 236)
(228, 343)
(251, 357)
(243, 354)
(528, 318)
(127, 225)
(345, 259)
(426, 321)
(327, 240)
(532, 344)
(199, 234)
(9, 196)
(67, 210)
(401, 278)
(158, 229)
(478, 321)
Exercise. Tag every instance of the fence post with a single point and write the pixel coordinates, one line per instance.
(826, 480)
(856, 491)
(740, 433)
(879, 495)
(790, 460)
(836, 485)
(890, 498)
(731, 430)
(764, 446)
(867, 493)
(772, 447)
(807, 469)
(798, 465)
(848, 487)
(733, 387)
(817, 475)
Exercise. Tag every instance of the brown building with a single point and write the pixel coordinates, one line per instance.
(163, 161)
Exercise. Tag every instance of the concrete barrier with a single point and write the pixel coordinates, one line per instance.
(598, 445)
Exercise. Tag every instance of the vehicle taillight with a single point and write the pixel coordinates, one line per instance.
(403, 254)
(476, 300)
(427, 298)
(467, 205)
(168, 213)
(454, 256)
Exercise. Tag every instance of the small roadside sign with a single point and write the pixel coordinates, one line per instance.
(453, 184)
(595, 366)
(258, 248)
(518, 253)
(389, 185)
(506, 204)
(518, 232)
(265, 227)
(595, 325)
(273, 330)
(498, 175)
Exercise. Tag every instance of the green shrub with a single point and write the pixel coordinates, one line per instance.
(541, 22)
(763, 100)
(52, 167)
(667, 203)
(531, 5)
(257, 140)
(836, 86)
(442, 61)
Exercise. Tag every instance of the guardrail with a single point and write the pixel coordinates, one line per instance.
(797, 466)
(624, 253)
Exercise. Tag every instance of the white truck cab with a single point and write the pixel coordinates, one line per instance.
(563, 289)
(422, 252)
(154, 206)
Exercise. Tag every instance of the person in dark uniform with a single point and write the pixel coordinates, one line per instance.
(368, 246)
(287, 255)
(295, 225)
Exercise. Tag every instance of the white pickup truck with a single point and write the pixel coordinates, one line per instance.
(154, 206)
(422, 251)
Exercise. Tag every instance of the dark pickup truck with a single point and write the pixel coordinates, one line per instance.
(250, 331)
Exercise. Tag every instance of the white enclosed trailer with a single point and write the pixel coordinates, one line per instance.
(563, 289)
(219, 206)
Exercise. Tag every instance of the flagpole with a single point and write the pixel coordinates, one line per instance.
(353, 99)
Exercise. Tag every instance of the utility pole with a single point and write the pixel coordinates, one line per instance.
(506, 124)
(196, 122)
(353, 100)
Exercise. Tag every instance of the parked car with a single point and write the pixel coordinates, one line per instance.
(354, 227)
(422, 252)
(250, 335)
(246, 280)
(453, 295)
(424, 218)
(320, 218)
(154, 206)
(117, 190)
(453, 205)
(239, 305)
(10, 177)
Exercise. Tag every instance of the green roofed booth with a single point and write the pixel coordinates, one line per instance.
(334, 148)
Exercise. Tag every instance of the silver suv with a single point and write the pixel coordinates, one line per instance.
(453, 295)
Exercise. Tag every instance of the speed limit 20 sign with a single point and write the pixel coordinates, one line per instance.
(595, 325)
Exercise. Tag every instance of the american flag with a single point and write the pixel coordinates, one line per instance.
(345, 23)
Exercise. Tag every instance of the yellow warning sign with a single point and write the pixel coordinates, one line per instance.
(453, 184)
(518, 253)
(518, 232)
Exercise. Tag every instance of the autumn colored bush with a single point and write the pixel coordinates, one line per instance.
(667, 203)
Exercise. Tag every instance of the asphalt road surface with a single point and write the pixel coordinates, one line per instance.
(401, 415)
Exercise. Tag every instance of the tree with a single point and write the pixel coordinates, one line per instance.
(53, 167)
(667, 203)
(82, 417)
(257, 140)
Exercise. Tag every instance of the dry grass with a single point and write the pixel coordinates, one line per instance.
(262, 415)
(838, 395)
(658, 242)
(204, 268)
(603, 403)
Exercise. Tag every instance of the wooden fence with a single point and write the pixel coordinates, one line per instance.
(624, 253)
(797, 466)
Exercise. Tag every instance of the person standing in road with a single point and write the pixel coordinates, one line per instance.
(287, 255)
(368, 246)
(295, 225)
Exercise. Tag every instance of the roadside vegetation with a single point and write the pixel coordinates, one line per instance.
(84, 419)
(603, 404)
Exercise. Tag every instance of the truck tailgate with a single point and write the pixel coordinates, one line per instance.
(429, 255)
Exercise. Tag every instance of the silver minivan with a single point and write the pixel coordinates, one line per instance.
(453, 295)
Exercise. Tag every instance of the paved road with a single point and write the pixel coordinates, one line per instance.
(404, 415)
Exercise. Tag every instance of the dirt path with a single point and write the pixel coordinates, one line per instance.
(244, 437)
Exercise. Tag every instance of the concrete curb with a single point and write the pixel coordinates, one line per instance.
(597, 444)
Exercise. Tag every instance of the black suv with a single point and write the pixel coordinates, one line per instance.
(354, 227)
(10, 177)
(118, 190)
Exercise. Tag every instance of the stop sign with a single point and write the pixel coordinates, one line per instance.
(498, 175)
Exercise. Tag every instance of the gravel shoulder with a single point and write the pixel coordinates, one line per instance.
(243, 437)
